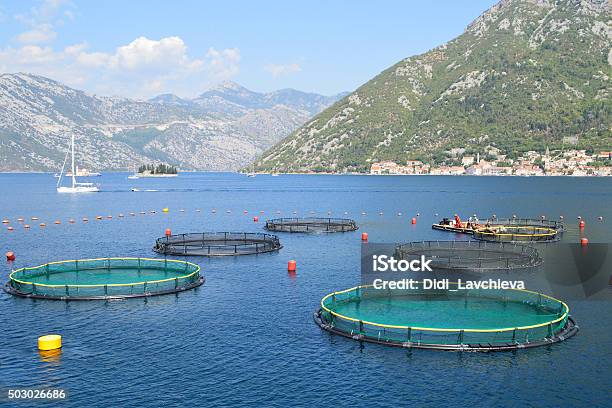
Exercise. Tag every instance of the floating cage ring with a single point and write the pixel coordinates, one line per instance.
(104, 278)
(517, 233)
(477, 256)
(311, 225)
(454, 319)
(217, 244)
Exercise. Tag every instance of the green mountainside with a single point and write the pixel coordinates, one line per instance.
(525, 75)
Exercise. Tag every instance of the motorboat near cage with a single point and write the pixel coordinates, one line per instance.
(472, 256)
(311, 224)
(217, 244)
(505, 230)
(454, 319)
(104, 278)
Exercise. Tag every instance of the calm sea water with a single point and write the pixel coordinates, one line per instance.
(247, 336)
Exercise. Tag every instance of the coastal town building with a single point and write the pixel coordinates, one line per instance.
(531, 163)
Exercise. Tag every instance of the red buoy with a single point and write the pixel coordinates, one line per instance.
(291, 266)
(256, 219)
(364, 236)
(10, 256)
(168, 232)
(584, 241)
(413, 222)
(581, 224)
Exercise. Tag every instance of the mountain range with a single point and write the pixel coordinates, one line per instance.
(224, 128)
(525, 75)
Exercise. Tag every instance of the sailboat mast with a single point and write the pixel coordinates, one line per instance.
(73, 169)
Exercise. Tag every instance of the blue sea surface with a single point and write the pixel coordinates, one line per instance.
(247, 336)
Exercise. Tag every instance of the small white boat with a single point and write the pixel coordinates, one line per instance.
(75, 187)
(133, 177)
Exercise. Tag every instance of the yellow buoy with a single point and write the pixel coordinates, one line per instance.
(165, 210)
(50, 342)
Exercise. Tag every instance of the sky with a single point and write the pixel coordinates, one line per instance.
(140, 48)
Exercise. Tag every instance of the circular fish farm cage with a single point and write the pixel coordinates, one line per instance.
(104, 278)
(474, 256)
(456, 319)
(311, 225)
(217, 244)
(517, 233)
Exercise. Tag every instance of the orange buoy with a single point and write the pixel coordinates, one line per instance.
(168, 232)
(10, 256)
(57, 222)
(413, 221)
(584, 241)
(581, 224)
(98, 217)
(256, 219)
(364, 236)
(42, 224)
(291, 266)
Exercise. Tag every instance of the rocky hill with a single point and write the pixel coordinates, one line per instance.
(225, 128)
(526, 74)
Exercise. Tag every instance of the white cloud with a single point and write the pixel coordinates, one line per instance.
(40, 34)
(142, 68)
(143, 52)
(279, 70)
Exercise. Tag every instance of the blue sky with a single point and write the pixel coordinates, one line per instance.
(144, 48)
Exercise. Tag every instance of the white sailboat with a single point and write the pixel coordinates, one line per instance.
(76, 187)
(135, 175)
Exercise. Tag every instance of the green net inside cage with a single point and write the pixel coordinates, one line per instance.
(104, 278)
(447, 319)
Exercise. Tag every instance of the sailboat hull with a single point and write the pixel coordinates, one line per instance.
(78, 189)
